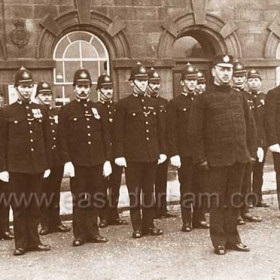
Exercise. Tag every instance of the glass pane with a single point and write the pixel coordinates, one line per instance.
(70, 68)
(88, 50)
(79, 35)
(59, 75)
(73, 51)
(61, 48)
(92, 67)
(99, 47)
(104, 67)
(187, 47)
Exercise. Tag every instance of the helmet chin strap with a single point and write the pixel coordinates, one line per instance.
(140, 91)
(151, 91)
(103, 96)
(22, 97)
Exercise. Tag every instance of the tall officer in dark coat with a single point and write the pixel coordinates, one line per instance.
(153, 89)
(239, 79)
(257, 104)
(109, 214)
(50, 219)
(24, 149)
(139, 145)
(180, 151)
(272, 126)
(222, 138)
(84, 145)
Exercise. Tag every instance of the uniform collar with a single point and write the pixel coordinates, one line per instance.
(22, 102)
(189, 93)
(82, 101)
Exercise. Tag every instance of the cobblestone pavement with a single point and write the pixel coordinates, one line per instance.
(175, 255)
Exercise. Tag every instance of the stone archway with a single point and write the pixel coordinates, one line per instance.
(108, 30)
(219, 33)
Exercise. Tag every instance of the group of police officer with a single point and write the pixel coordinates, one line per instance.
(216, 139)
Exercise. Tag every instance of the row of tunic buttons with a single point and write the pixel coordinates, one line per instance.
(88, 126)
(30, 131)
(147, 123)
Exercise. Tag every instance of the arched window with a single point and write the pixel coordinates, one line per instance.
(73, 51)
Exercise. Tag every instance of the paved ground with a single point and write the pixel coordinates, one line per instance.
(175, 255)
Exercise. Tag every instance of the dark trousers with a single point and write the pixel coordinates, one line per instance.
(246, 188)
(258, 179)
(4, 207)
(276, 159)
(161, 188)
(225, 196)
(192, 182)
(87, 200)
(111, 193)
(26, 193)
(51, 193)
(140, 176)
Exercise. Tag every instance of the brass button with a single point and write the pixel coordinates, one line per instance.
(148, 138)
(32, 150)
(147, 130)
(88, 119)
(89, 134)
(89, 142)
(147, 122)
(30, 131)
(31, 140)
(88, 126)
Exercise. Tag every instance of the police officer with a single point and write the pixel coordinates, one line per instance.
(272, 126)
(239, 79)
(109, 214)
(139, 145)
(50, 220)
(24, 152)
(222, 138)
(84, 145)
(153, 89)
(180, 152)
(257, 99)
(201, 83)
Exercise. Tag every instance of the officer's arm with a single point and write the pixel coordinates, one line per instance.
(251, 129)
(271, 108)
(161, 128)
(171, 129)
(119, 130)
(47, 136)
(196, 129)
(106, 134)
(3, 140)
(62, 135)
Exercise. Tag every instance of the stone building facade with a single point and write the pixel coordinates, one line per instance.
(55, 37)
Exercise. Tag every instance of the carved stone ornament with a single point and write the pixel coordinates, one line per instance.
(20, 36)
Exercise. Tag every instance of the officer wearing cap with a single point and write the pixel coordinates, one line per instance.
(272, 127)
(223, 141)
(139, 145)
(109, 214)
(257, 104)
(84, 146)
(179, 150)
(239, 84)
(24, 150)
(153, 90)
(50, 220)
(201, 82)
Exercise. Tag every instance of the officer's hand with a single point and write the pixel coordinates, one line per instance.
(4, 176)
(203, 165)
(162, 158)
(69, 169)
(107, 168)
(260, 154)
(120, 161)
(275, 148)
(176, 161)
(47, 173)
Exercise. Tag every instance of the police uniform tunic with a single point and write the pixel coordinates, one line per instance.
(84, 140)
(24, 148)
(51, 186)
(272, 126)
(178, 144)
(113, 182)
(139, 138)
(221, 132)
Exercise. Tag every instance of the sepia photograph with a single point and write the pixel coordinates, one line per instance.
(139, 139)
